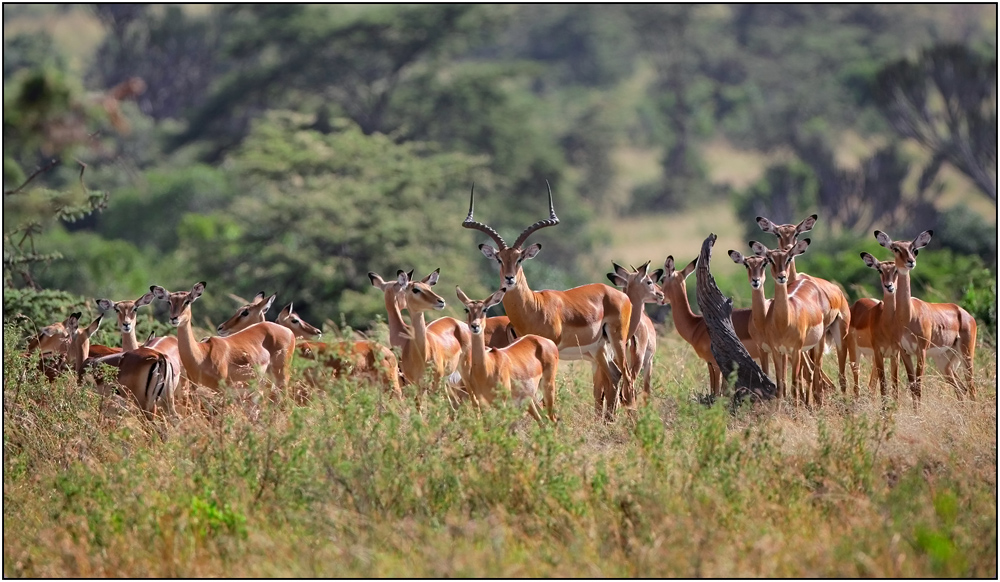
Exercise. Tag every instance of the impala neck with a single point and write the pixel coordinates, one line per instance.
(477, 353)
(192, 353)
(889, 304)
(398, 332)
(519, 302)
(129, 342)
(903, 302)
(780, 306)
(638, 308)
(792, 274)
(758, 307)
(685, 320)
(419, 334)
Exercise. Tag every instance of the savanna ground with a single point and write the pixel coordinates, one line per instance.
(356, 484)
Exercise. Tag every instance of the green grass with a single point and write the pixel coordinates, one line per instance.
(354, 484)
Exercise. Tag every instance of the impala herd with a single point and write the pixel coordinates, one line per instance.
(517, 356)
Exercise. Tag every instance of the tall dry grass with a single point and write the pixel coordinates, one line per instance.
(356, 484)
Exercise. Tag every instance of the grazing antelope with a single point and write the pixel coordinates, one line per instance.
(433, 348)
(794, 322)
(837, 313)
(268, 346)
(144, 373)
(641, 288)
(363, 359)
(944, 331)
(520, 369)
(880, 324)
(587, 322)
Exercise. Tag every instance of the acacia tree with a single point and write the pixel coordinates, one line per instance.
(947, 102)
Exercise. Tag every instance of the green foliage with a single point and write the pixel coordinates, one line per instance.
(30, 51)
(321, 210)
(33, 309)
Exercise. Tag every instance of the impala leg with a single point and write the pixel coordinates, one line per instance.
(714, 379)
(841, 344)
(894, 364)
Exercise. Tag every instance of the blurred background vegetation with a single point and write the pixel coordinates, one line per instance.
(292, 149)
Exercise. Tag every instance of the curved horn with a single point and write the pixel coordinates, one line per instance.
(469, 223)
(552, 220)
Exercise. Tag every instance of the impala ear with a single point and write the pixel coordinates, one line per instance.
(869, 260)
(374, 277)
(288, 308)
(197, 290)
(883, 239)
(94, 325)
(494, 299)
(656, 275)
(108, 305)
(531, 251)
(144, 300)
(758, 249)
(800, 247)
(257, 298)
(402, 279)
(620, 270)
(807, 224)
(270, 301)
(689, 268)
(737, 257)
(461, 295)
(668, 265)
(616, 279)
(158, 292)
(922, 239)
(488, 251)
(432, 279)
(766, 225)
(72, 322)
(643, 269)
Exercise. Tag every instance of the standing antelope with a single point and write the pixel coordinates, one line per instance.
(227, 359)
(640, 287)
(519, 369)
(364, 359)
(880, 324)
(756, 267)
(837, 314)
(436, 347)
(584, 322)
(166, 345)
(944, 331)
(795, 319)
(146, 374)
(692, 328)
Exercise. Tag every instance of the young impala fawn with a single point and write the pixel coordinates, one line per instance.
(520, 369)
(641, 288)
(361, 359)
(943, 331)
(218, 360)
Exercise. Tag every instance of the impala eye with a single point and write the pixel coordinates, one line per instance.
(246, 312)
(416, 291)
(466, 309)
(295, 321)
(187, 302)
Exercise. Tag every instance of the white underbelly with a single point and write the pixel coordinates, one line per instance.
(587, 351)
(524, 390)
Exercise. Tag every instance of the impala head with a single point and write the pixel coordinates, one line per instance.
(509, 257)
(299, 327)
(756, 267)
(247, 315)
(887, 270)
(416, 296)
(179, 301)
(476, 310)
(904, 252)
(79, 344)
(674, 279)
(126, 310)
(787, 233)
(639, 284)
(780, 260)
(55, 337)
